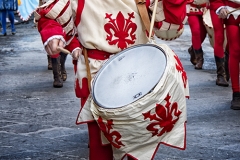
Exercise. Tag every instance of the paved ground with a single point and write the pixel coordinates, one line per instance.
(37, 121)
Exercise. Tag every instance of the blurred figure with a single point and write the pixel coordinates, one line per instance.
(56, 63)
(0, 20)
(58, 68)
(195, 10)
(229, 11)
(10, 14)
(219, 50)
(40, 2)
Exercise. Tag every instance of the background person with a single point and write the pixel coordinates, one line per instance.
(229, 11)
(220, 50)
(10, 15)
(195, 11)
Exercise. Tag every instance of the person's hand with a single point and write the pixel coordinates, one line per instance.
(223, 13)
(76, 53)
(52, 46)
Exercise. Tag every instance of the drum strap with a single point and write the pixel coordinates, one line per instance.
(141, 4)
(89, 77)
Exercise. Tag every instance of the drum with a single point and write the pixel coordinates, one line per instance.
(209, 27)
(131, 83)
(139, 100)
(169, 20)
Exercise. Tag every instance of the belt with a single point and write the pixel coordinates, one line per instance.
(97, 54)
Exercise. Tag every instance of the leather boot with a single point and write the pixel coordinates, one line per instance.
(235, 103)
(49, 62)
(226, 65)
(63, 70)
(57, 83)
(199, 58)
(221, 74)
(192, 56)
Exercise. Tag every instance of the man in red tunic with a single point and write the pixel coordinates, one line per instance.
(195, 11)
(103, 28)
(220, 49)
(229, 11)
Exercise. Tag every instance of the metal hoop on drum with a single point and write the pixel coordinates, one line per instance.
(128, 76)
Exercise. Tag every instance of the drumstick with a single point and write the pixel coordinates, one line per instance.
(234, 10)
(86, 61)
(63, 50)
(152, 20)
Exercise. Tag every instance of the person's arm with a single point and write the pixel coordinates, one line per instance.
(52, 32)
(216, 4)
(219, 7)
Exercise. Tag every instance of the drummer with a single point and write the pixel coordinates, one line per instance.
(56, 62)
(229, 11)
(104, 28)
(195, 11)
(220, 51)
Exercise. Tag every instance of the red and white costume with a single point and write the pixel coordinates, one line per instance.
(219, 33)
(105, 27)
(233, 33)
(195, 11)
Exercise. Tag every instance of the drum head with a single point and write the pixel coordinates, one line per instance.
(128, 76)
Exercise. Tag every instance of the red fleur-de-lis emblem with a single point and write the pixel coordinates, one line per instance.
(120, 31)
(164, 119)
(112, 136)
(180, 69)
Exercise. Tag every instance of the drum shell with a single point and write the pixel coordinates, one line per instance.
(169, 23)
(209, 27)
(169, 70)
(129, 120)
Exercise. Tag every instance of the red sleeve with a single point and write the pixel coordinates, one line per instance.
(48, 28)
(215, 4)
(175, 10)
(73, 44)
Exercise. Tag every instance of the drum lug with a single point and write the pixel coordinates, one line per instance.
(137, 95)
(120, 58)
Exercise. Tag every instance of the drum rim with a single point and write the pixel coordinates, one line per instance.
(117, 55)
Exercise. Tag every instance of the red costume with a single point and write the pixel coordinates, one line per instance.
(195, 10)
(219, 47)
(103, 28)
(232, 23)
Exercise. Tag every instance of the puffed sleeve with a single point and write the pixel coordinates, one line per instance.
(55, 19)
(215, 4)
